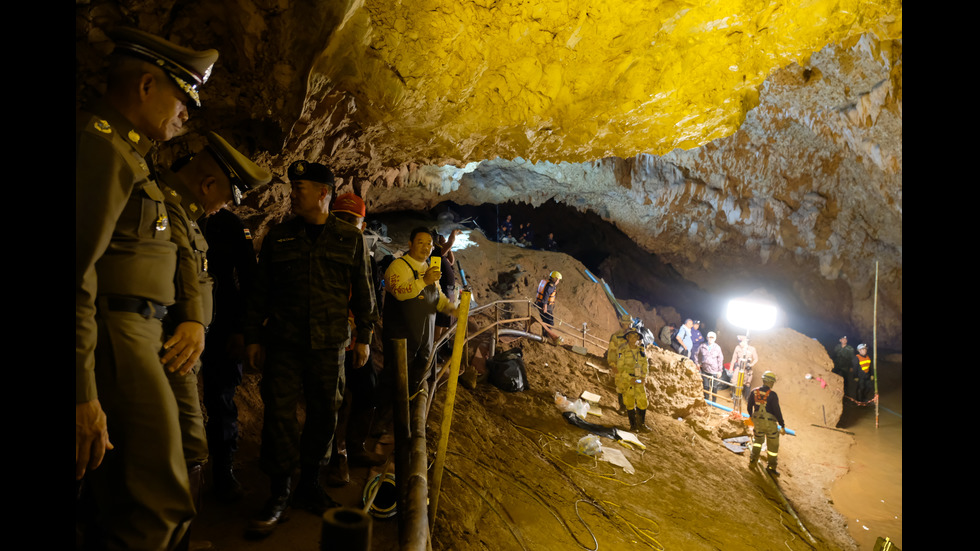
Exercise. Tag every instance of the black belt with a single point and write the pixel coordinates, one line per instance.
(144, 307)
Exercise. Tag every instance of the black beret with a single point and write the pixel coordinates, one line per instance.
(241, 171)
(315, 172)
(188, 68)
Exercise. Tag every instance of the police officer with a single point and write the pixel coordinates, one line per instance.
(124, 281)
(312, 270)
(767, 421)
(206, 183)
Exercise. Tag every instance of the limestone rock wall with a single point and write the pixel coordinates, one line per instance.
(725, 138)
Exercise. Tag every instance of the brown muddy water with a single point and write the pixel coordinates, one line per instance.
(870, 494)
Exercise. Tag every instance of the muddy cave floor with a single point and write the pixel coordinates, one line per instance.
(514, 480)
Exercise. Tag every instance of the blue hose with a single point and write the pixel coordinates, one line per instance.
(746, 415)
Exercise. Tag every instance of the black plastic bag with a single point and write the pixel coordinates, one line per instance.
(507, 371)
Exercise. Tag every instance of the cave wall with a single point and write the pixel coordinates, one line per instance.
(730, 140)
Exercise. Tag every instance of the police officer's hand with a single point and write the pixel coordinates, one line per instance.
(91, 437)
(432, 275)
(782, 430)
(361, 353)
(256, 355)
(184, 348)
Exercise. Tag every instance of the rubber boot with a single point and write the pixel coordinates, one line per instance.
(274, 511)
(641, 415)
(196, 475)
(358, 427)
(622, 406)
(771, 465)
(631, 413)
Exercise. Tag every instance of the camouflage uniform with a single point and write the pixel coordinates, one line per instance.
(303, 287)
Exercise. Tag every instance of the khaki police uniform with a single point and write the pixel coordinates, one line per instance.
(194, 302)
(124, 266)
(125, 263)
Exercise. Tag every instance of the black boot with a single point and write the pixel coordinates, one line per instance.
(310, 495)
(641, 415)
(771, 466)
(632, 415)
(226, 486)
(622, 406)
(274, 510)
(337, 472)
(358, 427)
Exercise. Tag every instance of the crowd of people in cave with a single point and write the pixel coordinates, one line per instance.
(524, 235)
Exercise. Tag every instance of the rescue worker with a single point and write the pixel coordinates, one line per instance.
(545, 301)
(125, 262)
(767, 421)
(843, 357)
(201, 186)
(633, 369)
(616, 341)
(861, 376)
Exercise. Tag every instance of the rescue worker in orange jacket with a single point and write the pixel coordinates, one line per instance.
(545, 301)
(862, 380)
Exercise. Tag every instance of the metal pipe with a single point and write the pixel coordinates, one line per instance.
(447, 416)
(403, 432)
(519, 333)
(415, 512)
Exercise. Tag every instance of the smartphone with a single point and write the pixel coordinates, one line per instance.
(435, 262)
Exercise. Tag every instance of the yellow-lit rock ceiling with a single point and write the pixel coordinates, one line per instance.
(572, 80)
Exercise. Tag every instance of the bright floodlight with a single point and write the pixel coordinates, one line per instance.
(462, 240)
(751, 315)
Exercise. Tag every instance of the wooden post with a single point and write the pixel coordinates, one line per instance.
(874, 343)
(447, 416)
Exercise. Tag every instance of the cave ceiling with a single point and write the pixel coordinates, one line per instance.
(727, 137)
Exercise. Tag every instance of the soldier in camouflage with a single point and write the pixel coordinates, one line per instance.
(312, 269)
